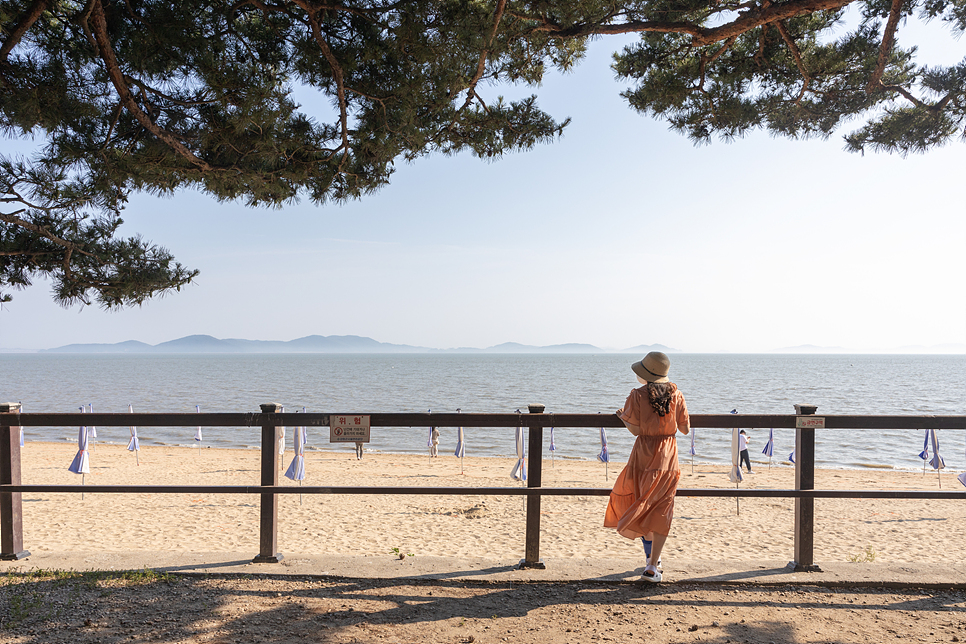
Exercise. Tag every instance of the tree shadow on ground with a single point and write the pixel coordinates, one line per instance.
(107, 608)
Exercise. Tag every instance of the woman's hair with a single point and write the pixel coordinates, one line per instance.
(659, 395)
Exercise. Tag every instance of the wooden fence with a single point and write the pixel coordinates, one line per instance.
(269, 420)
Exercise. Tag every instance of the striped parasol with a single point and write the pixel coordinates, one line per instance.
(924, 454)
(604, 455)
(936, 461)
(769, 450)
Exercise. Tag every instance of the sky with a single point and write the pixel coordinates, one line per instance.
(620, 233)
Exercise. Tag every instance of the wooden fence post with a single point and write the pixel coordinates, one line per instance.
(804, 508)
(11, 503)
(531, 557)
(268, 524)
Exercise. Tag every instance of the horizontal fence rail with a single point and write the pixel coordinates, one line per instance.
(546, 420)
(478, 491)
(12, 489)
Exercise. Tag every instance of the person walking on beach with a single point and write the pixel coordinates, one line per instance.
(743, 457)
(641, 504)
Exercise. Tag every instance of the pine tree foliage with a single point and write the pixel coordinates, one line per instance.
(158, 96)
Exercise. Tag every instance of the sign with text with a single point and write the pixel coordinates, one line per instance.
(810, 422)
(348, 429)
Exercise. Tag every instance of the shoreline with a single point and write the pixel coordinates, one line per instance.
(445, 454)
(704, 528)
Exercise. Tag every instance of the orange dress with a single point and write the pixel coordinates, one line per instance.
(642, 501)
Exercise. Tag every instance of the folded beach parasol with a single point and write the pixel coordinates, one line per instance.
(91, 431)
(296, 470)
(198, 431)
(519, 471)
(936, 461)
(735, 475)
(769, 450)
(81, 463)
(460, 444)
(134, 445)
(281, 436)
(604, 456)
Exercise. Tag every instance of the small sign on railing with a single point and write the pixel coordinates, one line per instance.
(810, 422)
(348, 429)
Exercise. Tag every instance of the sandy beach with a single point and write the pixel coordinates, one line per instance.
(477, 526)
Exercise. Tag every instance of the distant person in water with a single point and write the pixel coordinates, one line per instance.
(642, 502)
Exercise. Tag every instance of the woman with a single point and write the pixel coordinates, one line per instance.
(642, 501)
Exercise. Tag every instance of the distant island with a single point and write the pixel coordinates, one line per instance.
(328, 344)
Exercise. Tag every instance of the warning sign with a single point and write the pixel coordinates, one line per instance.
(810, 422)
(348, 429)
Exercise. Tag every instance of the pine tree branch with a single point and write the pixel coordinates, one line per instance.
(17, 33)
(888, 38)
(707, 60)
(806, 79)
(171, 99)
(702, 36)
(100, 35)
(12, 219)
(902, 90)
(337, 75)
(481, 65)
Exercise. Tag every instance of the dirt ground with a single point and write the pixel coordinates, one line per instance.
(105, 608)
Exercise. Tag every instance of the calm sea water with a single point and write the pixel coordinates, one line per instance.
(712, 384)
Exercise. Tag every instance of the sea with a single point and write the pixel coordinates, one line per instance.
(502, 383)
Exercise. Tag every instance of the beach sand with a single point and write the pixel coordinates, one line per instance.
(474, 525)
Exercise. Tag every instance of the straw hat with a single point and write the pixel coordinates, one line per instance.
(653, 368)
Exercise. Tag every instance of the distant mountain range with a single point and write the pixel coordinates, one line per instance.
(327, 344)
(911, 349)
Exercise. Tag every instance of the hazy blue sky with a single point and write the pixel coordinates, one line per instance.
(621, 233)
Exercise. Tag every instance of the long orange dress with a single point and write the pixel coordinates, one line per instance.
(642, 501)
